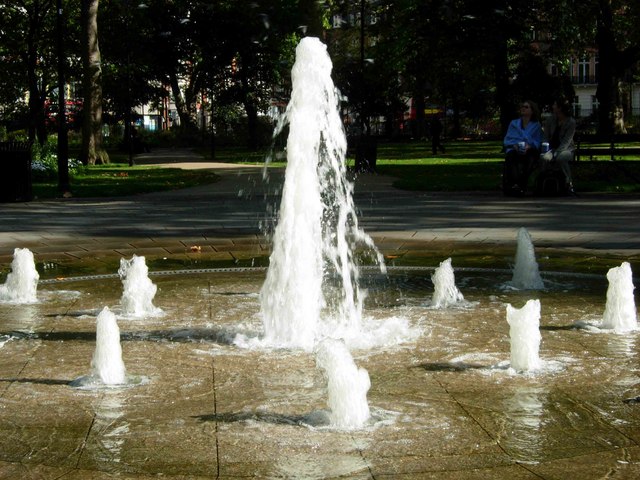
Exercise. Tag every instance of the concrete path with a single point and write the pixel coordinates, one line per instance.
(242, 203)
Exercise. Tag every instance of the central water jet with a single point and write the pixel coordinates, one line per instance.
(311, 290)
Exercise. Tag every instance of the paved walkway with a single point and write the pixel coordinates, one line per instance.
(234, 212)
(197, 404)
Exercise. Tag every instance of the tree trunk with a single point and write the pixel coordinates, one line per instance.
(37, 87)
(501, 73)
(456, 128)
(92, 152)
(606, 69)
(252, 124)
(183, 105)
(420, 129)
(250, 107)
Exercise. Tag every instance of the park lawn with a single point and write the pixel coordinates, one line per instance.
(117, 179)
(466, 166)
(477, 166)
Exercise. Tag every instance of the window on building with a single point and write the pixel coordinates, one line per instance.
(584, 67)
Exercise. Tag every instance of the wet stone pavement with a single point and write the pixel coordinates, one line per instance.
(444, 403)
(443, 400)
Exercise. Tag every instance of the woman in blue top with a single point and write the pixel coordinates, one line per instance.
(522, 146)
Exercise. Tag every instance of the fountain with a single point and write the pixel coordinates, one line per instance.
(209, 406)
(311, 287)
(526, 275)
(107, 364)
(347, 385)
(138, 289)
(22, 283)
(525, 336)
(445, 292)
(215, 410)
(620, 309)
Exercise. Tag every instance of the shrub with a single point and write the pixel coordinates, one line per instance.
(44, 161)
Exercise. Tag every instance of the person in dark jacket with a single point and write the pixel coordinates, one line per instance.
(559, 130)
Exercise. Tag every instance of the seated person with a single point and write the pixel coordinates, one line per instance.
(522, 146)
(559, 130)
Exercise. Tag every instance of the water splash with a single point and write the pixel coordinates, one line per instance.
(347, 385)
(138, 289)
(526, 274)
(445, 292)
(21, 284)
(525, 336)
(620, 310)
(312, 282)
(107, 361)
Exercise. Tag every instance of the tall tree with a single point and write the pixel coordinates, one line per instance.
(609, 27)
(616, 56)
(26, 34)
(92, 151)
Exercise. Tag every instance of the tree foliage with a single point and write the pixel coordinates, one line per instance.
(471, 57)
(26, 31)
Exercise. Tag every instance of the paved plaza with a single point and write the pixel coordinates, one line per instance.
(444, 404)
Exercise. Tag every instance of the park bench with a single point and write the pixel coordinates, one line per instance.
(612, 148)
(616, 146)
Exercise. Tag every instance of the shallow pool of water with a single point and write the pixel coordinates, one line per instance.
(442, 397)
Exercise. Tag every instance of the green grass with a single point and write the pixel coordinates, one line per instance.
(114, 180)
(477, 166)
(466, 166)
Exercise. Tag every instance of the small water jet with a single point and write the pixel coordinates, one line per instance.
(107, 364)
(525, 336)
(620, 310)
(317, 228)
(347, 385)
(21, 284)
(526, 274)
(445, 292)
(138, 289)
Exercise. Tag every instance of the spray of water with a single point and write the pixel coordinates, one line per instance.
(138, 289)
(347, 385)
(312, 282)
(107, 361)
(445, 292)
(620, 310)
(21, 284)
(525, 336)
(526, 274)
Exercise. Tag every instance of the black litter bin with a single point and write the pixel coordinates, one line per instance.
(15, 181)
